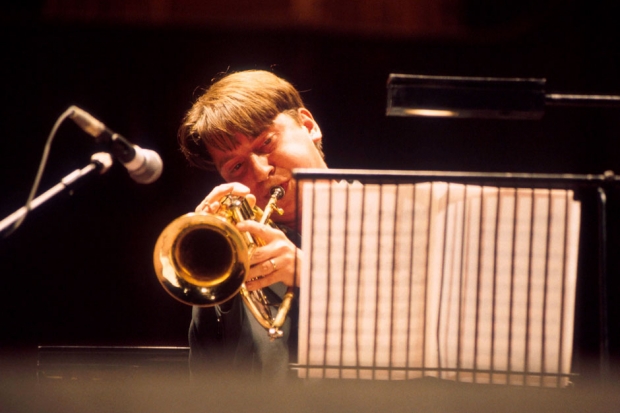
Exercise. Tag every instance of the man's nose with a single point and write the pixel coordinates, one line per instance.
(260, 167)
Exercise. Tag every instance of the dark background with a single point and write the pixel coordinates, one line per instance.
(79, 270)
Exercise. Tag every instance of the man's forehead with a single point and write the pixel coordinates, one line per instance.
(221, 156)
(223, 153)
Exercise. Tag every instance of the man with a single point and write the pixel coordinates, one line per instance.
(253, 129)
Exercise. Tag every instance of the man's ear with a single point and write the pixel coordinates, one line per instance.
(308, 122)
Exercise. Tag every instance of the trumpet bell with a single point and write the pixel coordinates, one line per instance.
(201, 259)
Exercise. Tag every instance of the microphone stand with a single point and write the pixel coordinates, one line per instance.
(100, 162)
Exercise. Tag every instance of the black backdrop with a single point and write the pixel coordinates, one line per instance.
(79, 270)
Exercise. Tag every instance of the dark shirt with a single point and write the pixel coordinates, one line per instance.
(228, 339)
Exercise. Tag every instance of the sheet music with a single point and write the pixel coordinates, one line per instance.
(454, 281)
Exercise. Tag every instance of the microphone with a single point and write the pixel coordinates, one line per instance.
(144, 165)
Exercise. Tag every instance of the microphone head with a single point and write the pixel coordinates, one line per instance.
(146, 167)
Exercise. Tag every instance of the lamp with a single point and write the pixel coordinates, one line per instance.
(479, 97)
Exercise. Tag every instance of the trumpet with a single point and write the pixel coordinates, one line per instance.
(203, 259)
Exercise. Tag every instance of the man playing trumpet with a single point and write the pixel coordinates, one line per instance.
(253, 129)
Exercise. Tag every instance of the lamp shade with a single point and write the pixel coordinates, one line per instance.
(465, 97)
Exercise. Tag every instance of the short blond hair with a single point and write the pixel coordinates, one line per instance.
(244, 103)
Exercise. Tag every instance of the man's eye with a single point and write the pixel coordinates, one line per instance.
(267, 145)
(235, 167)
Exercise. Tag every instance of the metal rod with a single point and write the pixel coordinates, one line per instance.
(558, 99)
(497, 179)
(64, 183)
(602, 279)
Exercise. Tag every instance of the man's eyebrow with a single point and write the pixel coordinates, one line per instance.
(255, 140)
(264, 135)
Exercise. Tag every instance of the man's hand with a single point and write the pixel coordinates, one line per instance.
(211, 203)
(279, 260)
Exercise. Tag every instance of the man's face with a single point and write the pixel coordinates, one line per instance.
(268, 160)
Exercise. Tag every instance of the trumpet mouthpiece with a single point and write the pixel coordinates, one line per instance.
(277, 191)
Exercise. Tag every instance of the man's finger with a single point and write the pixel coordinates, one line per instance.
(264, 232)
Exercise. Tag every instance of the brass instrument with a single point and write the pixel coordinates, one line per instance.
(203, 259)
